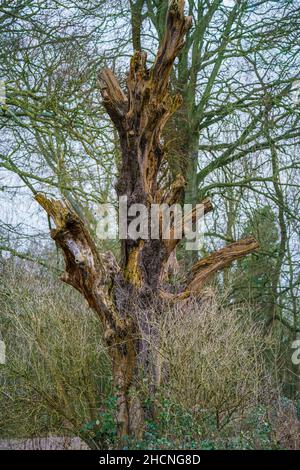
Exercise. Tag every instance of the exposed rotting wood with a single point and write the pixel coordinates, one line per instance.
(140, 118)
(191, 216)
(114, 99)
(205, 268)
(92, 274)
(139, 114)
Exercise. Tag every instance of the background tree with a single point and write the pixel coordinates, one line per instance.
(253, 278)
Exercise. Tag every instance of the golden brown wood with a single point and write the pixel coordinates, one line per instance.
(113, 291)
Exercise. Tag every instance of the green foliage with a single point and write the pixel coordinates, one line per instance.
(103, 431)
(175, 428)
(254, 276)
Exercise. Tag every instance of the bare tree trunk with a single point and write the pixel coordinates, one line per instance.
(139, 115)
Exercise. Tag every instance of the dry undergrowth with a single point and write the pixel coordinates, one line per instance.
(209, 359)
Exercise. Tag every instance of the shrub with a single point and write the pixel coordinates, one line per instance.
(57, 374)
(214, 391)
(212, 359)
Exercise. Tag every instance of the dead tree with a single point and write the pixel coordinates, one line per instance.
(139, 115)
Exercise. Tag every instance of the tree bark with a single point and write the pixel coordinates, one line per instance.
(112, 291)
